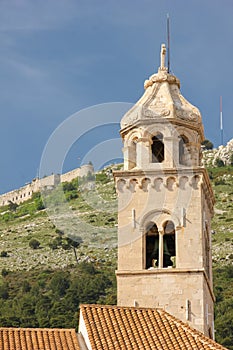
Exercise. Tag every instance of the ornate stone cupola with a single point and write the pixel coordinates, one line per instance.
(165, 206)
(162, 127)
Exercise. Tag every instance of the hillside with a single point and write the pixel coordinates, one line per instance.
(19, 224)
(42, 284)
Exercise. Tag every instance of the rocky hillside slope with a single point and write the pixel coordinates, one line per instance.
(223, 155)
(85, 219)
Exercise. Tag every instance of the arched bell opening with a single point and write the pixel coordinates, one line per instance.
(157, 149)
(183, 151)
(152, 245)
(169, 244)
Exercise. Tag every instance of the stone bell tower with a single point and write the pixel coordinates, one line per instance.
(165, 206)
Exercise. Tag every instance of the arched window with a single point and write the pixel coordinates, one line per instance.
(183, 152)
(157, 149)
(160, 248)
(152, 245)
(169, 244)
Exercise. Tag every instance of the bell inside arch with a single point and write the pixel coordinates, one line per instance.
(169, 246)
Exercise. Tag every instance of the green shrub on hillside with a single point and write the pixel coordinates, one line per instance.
(4, 272)
(102, 177)
(8, 216)
(219, 162)
(4, 291)
(12, 206)
(26, 287)
(34, 243)
(3, 254)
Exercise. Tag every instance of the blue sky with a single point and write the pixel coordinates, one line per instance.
(60, 56)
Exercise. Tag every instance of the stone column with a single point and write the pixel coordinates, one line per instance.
(143, 152)
(188, 154)
(129, 155)
(171, 151)
(194, 153)
(177, 248)
(160, 249)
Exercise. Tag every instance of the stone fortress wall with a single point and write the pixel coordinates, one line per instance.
(24, 193)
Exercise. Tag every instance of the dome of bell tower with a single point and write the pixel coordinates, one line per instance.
(162, 127)
(162, 99)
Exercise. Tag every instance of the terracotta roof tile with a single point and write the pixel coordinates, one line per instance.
(38, 339)
(130, 328)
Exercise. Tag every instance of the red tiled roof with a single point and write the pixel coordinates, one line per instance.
(129, 328)
(38, 339)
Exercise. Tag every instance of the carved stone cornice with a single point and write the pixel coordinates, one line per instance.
(171, 179)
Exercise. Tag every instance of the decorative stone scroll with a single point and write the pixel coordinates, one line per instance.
(120, 185)
(183, 181)
(158, 184)
(195, 182)
(170, 183)
(132, 185)
(145, 184)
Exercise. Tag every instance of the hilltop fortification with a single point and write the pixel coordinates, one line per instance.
(24, 193)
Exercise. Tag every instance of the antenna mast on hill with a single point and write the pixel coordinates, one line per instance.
(221, 121)
(168, 43)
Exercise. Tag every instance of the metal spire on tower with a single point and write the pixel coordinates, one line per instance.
(168, 43)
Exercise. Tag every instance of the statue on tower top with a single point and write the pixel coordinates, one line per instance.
(163, 57)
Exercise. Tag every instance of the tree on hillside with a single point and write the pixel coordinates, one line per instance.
(219, 162)
(74, 242)
(207, 144)
(12, 206)
(66, 242)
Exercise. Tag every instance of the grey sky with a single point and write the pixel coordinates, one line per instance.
(57, 57)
